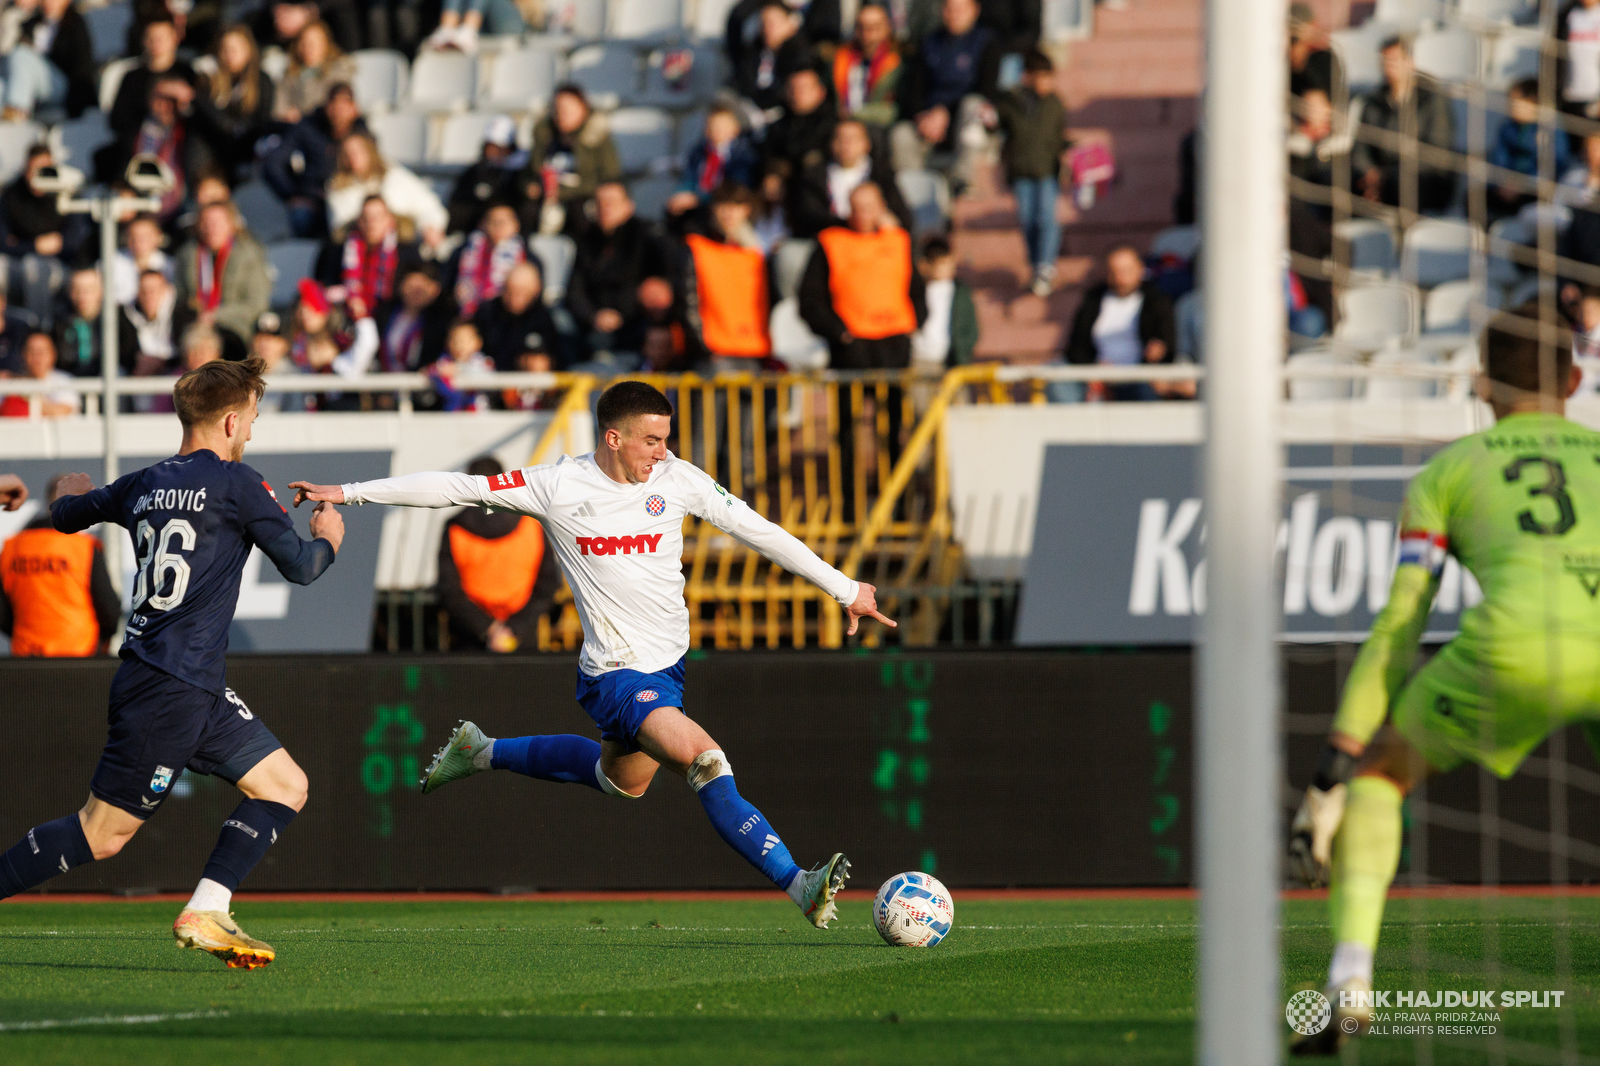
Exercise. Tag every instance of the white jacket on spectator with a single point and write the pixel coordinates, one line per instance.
(407, 195)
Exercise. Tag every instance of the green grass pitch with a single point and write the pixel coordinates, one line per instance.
(1061, 981)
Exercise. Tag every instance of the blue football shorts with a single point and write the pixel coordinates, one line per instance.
(160, 726)
(620, 700)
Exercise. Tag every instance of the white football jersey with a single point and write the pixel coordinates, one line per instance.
(620, 546)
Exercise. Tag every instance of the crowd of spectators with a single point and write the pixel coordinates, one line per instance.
(435, 272)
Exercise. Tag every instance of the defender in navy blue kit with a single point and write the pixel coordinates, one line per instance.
(194, 519)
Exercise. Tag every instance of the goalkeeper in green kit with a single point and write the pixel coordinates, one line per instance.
(1519, 506)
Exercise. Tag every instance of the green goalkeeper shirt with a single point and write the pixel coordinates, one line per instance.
(1517, 505)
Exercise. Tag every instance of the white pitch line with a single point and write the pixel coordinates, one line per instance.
(109, 1019)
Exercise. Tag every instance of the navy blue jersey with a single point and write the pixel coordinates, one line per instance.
(194, 519)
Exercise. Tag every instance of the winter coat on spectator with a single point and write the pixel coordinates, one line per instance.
(1581, 241)
(507, 334)
(791, 56)
(877, 305)
(407, 195)
(704, 172)
(811, 206)
(305, 158)
(796, 142)
(28, 216)
(133, 98)
(482, 268)
(953, 311)
(1156, 323)
(230, 130)
(125, 274)
(72, 53)
(246, 286)
(78, 348)
(607, 270)
(1435, 126)
(408, 343)
(583, 162)
(1580, 82)
(1015, 23)
(372, 273)
(865, 85)
(306, 89)
(14, 330)
(1035, 129)
(1516, 147)
(480, 185)
(158, 335)
(948, 68)
(821, 21)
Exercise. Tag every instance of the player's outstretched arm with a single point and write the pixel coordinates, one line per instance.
(13, 492)
(433, 489)
(79, 505)
(865, 606)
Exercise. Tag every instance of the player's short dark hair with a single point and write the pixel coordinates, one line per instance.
(212, 390)
(629, 399)
(1514, 356)
(485, 466)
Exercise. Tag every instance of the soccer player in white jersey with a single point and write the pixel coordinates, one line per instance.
(615, 521)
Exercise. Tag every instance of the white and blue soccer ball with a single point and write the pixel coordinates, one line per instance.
(913, 910)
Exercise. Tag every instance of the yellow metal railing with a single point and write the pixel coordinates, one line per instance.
(874, 493)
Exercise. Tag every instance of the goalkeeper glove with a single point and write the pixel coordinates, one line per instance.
(1317, 820)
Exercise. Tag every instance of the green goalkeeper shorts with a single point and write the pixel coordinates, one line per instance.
(1493, 709)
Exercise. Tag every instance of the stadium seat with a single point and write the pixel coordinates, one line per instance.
(643, 136)
(706, 75)
(111, 80)
(290, 261)
(928, 195)
(1371, 245)
(108, 30)
(460, 139)
(1357, 50)
(1504, 267)
(264, 213)
(15, 140)
(789, 261)
(1493, 14)
(1449, 54)
(402, 136)
(608, 73)
(381, 78)
(1457, 307)
(1179, 241)
(1407, 14)
(75, 142)
(1302, 390)
(1436, 250)
(709, 21)
(650, 195)
(645, 19)
(557, 253)
(1370, 316)
(584, 19)
(521, 80)
(1381, 388)
(792, 340)
(442, 81)
(691, 127)
(1515, 55)
(1529, 288)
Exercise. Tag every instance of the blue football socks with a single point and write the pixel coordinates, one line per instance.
(738, 822)
(253, 827)
(49, 849)
(566, 758)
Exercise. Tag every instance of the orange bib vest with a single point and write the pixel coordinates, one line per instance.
(498, 575)
(732, 284)
(869, 277)
(46, 576)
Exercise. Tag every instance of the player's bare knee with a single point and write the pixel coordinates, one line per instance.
(632, 786)
(706, 768)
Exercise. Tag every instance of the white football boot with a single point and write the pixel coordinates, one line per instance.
(819, 887)
(456, 759)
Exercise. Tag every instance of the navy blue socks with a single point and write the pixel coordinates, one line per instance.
(246, 835)
(564, 757)
(49, 849)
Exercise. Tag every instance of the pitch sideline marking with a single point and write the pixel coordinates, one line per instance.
(109, 1019)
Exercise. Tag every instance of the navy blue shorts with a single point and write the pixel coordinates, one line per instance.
(161, 726)
(620, 701)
